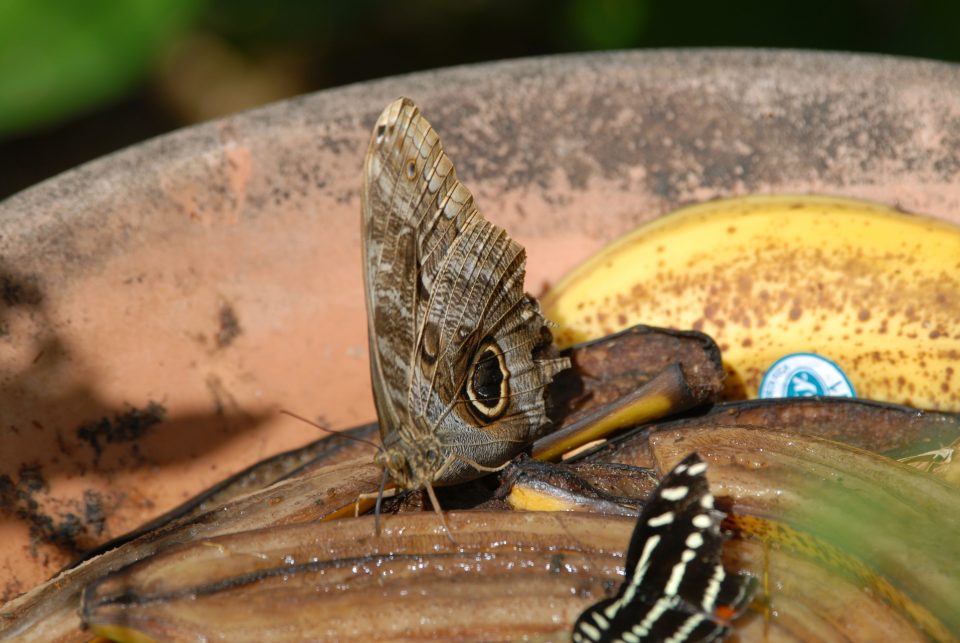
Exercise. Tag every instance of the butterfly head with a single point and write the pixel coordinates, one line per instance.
(410, 465)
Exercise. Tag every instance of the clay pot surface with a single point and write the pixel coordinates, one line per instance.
(159, 305)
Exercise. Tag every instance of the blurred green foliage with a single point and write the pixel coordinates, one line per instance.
(608, 24)
(59, 57)
(79, 78)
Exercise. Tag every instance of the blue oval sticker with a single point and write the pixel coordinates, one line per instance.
(805, 375)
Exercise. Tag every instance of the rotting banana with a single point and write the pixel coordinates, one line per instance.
(872, 289)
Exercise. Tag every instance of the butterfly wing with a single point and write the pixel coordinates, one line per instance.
(676, 587)
(460, 356)
(389, 244)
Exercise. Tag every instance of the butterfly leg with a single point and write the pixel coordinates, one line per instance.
(476, 465)
(436, 508)
(364, 499)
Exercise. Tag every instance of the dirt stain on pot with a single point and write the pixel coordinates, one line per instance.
(20, 290)
(17, 291)
(66, 529)
(229, 326)
(123, 427)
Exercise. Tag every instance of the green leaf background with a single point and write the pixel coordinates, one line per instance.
(61, 57)
(81, 78)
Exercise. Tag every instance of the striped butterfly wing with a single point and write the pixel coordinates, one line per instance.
(676, 588)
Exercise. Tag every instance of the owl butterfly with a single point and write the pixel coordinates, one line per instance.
(676, 588)
(460, 357)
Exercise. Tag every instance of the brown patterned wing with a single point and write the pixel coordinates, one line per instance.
(460, 356)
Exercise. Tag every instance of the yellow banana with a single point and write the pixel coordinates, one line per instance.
(873, 290)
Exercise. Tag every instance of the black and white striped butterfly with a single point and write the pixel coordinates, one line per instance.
(676, 588)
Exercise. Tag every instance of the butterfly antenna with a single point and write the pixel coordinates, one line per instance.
(338, 434)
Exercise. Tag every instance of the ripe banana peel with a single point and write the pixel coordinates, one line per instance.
(811, 514)
(870, 288)
(509, 576)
